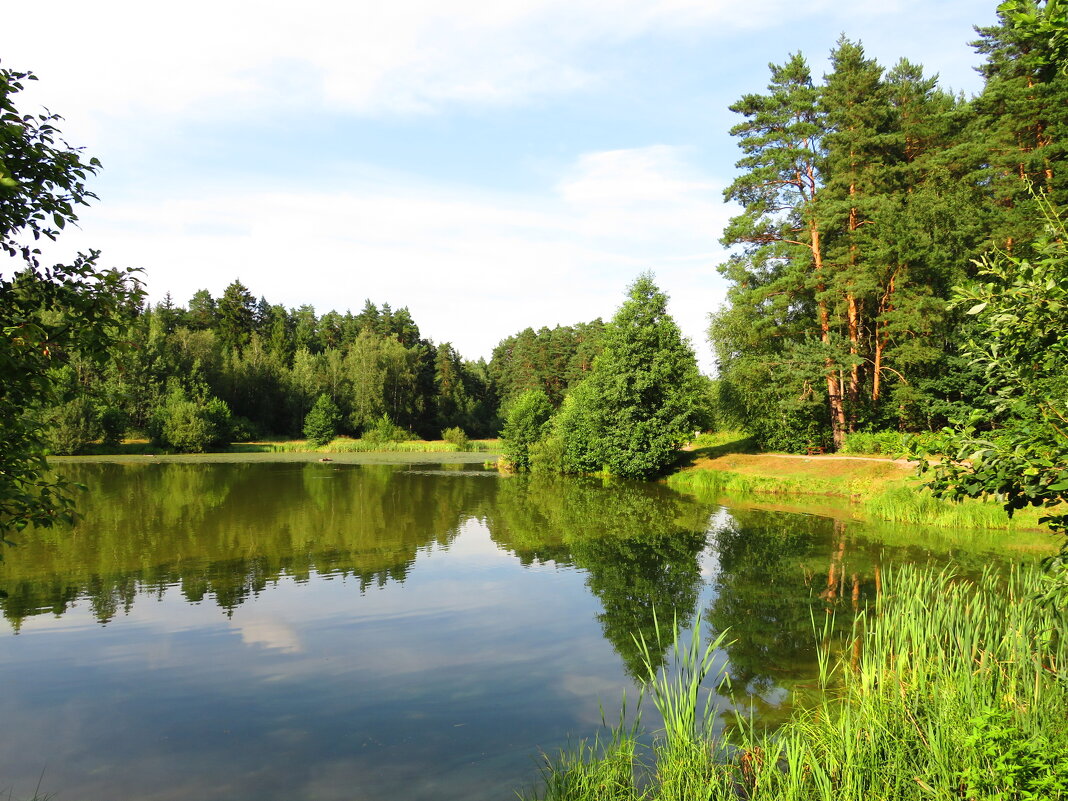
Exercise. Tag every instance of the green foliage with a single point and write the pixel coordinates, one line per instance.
(865, 198)
(525, 422)
(45, 313)
(70, 426)
(42, 178)
(1017, 450)
(551, 360)
(236, 316)
(1011, 763)
(644, 397)
(269, 365)
(1047, 25)
(320, 426)
(243, 430)
(192, 425)
(112, 425)
(385, 430)
(458, 437)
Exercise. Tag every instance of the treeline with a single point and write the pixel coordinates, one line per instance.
(641, 401)
(550, 360)
(867, 197)
(232, 368)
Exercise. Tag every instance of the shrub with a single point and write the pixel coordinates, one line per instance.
(191, 426)
(320, 424)
(458, 437)
(524, 424)
(895, 443)
(244, 430)
(385, 430)
(112, 425)
(71, 426)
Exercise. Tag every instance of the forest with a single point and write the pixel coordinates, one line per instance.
(219, 370)
(869, 201)
(897, 267)
(867, 197)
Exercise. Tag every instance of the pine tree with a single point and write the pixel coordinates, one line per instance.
(781, 271)
(1021, 127)
(857, 114)
(202, 313)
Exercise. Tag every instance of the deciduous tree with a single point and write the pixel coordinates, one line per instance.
(44, 312)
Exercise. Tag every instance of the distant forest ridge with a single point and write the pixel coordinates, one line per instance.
(268, 365)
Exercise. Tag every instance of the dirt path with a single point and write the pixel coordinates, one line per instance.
(831, 457)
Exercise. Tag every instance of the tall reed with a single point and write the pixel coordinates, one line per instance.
(950, 689)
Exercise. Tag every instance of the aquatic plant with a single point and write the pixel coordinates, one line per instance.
(948, 688)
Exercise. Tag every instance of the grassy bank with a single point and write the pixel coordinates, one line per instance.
(876, 488)
(341, 445)
(348, 445)
(947, 689)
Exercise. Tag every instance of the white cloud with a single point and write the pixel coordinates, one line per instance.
(126, 58)
(268, 631)
(473, 266)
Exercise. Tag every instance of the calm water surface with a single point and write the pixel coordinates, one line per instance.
(316, 631)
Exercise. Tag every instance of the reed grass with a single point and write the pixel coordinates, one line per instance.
(948, 689)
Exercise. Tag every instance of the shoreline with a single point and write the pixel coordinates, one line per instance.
(870, 488)
(327, 458)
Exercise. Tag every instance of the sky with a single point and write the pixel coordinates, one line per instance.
(490, 164)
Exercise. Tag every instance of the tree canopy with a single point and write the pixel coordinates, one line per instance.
(866, 197)
(45, 313)
(643, 398)
(1017, 447)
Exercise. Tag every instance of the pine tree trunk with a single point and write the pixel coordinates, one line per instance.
(834, 386)
(854, 320)
(881, 339)
(854, 349)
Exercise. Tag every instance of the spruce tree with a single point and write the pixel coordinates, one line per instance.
(644, 396)
(236, 317)
(320, 426)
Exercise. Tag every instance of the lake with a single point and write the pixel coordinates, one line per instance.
(301, 630)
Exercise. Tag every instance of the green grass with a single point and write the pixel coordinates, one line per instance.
(947, 689)
(725, 482)
(339, 445)
(711, 444)
(903, 501)
(345, 445)
(911, 504)
(128, 448)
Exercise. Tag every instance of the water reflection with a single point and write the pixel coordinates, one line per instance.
(226, 532)
(373, 631)
(637, 543)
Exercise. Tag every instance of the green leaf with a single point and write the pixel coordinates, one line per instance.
(978, 307)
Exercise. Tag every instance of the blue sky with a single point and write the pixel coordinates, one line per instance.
(490, 165)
